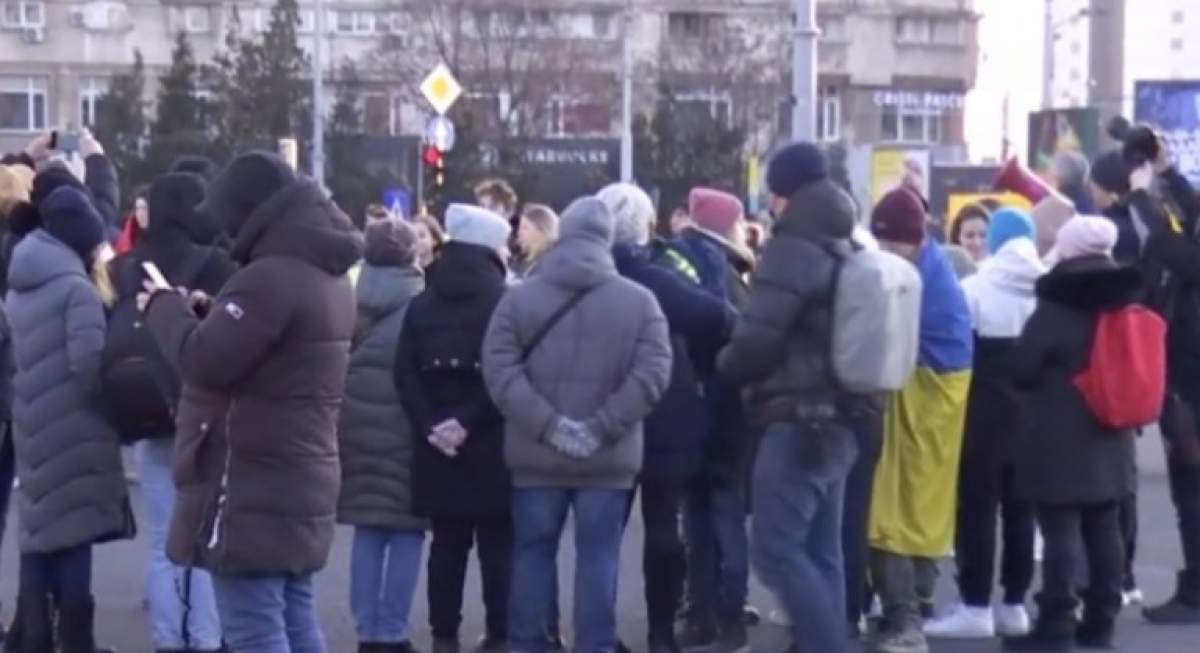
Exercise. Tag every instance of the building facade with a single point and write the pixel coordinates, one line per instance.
(892, 72)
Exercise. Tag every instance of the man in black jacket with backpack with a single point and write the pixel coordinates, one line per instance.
(1165, 215)
(175, 241)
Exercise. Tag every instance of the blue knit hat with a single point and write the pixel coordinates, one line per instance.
(1008, 224)
(796, 166)
(69, 216)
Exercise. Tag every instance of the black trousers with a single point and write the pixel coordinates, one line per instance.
(449, 553)
(981, 500)
(664, 563)
(1104, 550)
(66, 575)
(1184, 480)
(868, 429)
(1129, 535)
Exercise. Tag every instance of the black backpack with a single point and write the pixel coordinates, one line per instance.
(140, 389)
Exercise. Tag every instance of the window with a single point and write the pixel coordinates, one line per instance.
(481, 110)
(688, 25)
(829, 114)
(567, 116)
(833, 27)
(90, 91)
(1076, 47)
(21, 15)
(22, 103)
(1177, 16)
(602, 24)
(354, 22)
(1176, 45)
(914, 29)
(705, 106)
(947, 31)
(912, 125)
(482, 19)
(196, 20)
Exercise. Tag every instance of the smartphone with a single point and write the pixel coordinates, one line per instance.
(155, 274)
(68, 142)
(54, 140)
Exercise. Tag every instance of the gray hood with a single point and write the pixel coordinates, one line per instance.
(40, 259)
(582, 257)
(382, 290)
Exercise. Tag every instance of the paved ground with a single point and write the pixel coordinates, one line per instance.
(119, 577)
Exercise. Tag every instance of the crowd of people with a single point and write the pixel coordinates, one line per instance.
(476, 379)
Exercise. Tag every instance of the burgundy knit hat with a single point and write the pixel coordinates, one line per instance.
(899, 217)
(714, 210)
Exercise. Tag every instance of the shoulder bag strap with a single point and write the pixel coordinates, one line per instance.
(554, 319)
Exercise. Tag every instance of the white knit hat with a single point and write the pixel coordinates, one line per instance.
(1086, 235)
(632, 211)
(466, 223)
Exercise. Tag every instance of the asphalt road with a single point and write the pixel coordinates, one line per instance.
(121, 621)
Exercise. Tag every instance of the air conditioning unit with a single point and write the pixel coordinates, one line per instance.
(78, 17)
(33, 35)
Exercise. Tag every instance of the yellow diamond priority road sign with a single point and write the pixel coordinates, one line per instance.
(441, 89)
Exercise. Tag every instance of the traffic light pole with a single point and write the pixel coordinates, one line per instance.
(804, 71)
(318, 126)
(420, 180)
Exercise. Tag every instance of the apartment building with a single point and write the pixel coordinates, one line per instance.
(891, 71)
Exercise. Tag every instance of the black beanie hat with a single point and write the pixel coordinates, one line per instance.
(69, 216)
(197, 165)
(1111, 172)
(50, 179)
(796, 166)
(172, 201)
(243, 186)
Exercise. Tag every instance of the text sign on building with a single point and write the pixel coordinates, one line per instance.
(920, 99)
(441, 89)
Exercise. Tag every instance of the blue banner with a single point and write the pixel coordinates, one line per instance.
(1173, 108)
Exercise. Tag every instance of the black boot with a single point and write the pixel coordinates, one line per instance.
(1051, 634)
(75, 627)
(1184, 608)
(32, 630)
(1096, 634)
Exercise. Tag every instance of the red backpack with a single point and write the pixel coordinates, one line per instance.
(1125, 381)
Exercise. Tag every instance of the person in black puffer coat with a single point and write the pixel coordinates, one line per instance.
(172, 241)
(677, 431)
(1071, 468)
(460, 481)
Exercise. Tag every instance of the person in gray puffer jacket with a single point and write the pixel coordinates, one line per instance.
(73, 492)
(375, 441)
(576, 357)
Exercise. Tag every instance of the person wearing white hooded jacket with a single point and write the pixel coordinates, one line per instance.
(1001, 298)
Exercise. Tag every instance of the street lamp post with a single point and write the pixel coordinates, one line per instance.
(627, 98)
(804, 71)
(318, 126)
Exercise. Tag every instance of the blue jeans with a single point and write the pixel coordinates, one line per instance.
(538, 518)
(269, 614)
(799, 485)
(384, 566)
(718, 560)
(166, 583)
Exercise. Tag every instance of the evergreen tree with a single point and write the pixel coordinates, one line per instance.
(676, 151)
(121, 125)
(259, 85)
(346, 171)
(182, 122)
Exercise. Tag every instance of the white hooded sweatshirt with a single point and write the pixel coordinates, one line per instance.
(1002, 295)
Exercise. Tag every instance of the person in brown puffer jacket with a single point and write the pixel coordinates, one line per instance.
(256, 459)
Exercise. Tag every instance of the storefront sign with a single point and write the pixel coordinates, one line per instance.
(941, 100)
(574, 155)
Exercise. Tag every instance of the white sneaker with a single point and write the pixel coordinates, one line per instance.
(1133, 597)
(1012, 621)
(963, 622)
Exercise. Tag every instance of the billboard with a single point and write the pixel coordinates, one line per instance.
(1055, 131)
(1173, 109)
(890, 166)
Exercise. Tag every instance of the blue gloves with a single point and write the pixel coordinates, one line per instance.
(573, 439)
